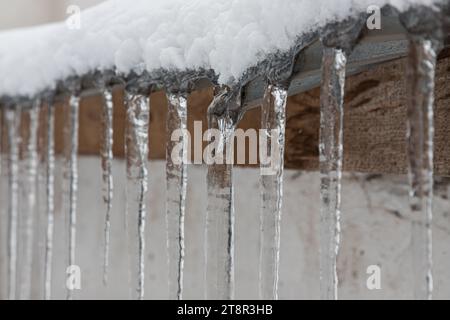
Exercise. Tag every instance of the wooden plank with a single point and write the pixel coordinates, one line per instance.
(374, 127)
(374, 122)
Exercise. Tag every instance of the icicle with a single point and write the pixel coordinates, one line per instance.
(273, 120)
(220, 209)
(338, 41)
(1, 141)
(425, 27)
(176, 180)
(136, 149)
(72, 161)
(12, 117)
(107, 157)
(331, 153)
(50, 193)
(28, 209)
(420, 132)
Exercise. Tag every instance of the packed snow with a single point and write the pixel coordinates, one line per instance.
(228, 36)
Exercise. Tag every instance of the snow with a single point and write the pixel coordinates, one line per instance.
(227, 36)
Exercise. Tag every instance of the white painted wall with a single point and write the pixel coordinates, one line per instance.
(24, 13)
(375, 230)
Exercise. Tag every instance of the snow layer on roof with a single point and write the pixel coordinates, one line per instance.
(227, 36)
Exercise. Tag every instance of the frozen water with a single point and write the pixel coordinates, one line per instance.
(136, 149)
(28, 186)
(107, 158)
(330, 157)
(219, 239)
(50, 198)
(176, 181)
(12, 119)
(273, 122)
(420, 133)
(72, 178)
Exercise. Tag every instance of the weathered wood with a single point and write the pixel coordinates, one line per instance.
(90, 122)
(374, 127)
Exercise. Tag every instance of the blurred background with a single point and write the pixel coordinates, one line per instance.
(25, 13)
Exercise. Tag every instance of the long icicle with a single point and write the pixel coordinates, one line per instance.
(176, 180)
(330, 155)
(12, 117)
(420, 131)
(136, 149)
(50, 194)
(74, 103)
(107, 157)
(273, 120)
(29, 211)
(1, 140)
(220, 208)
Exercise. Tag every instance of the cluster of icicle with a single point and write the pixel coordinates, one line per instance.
(224, 114)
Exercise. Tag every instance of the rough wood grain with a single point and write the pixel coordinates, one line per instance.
(374, 127)
(374, 124)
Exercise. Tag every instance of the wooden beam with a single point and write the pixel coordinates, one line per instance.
(374, 127)
(374, 122)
